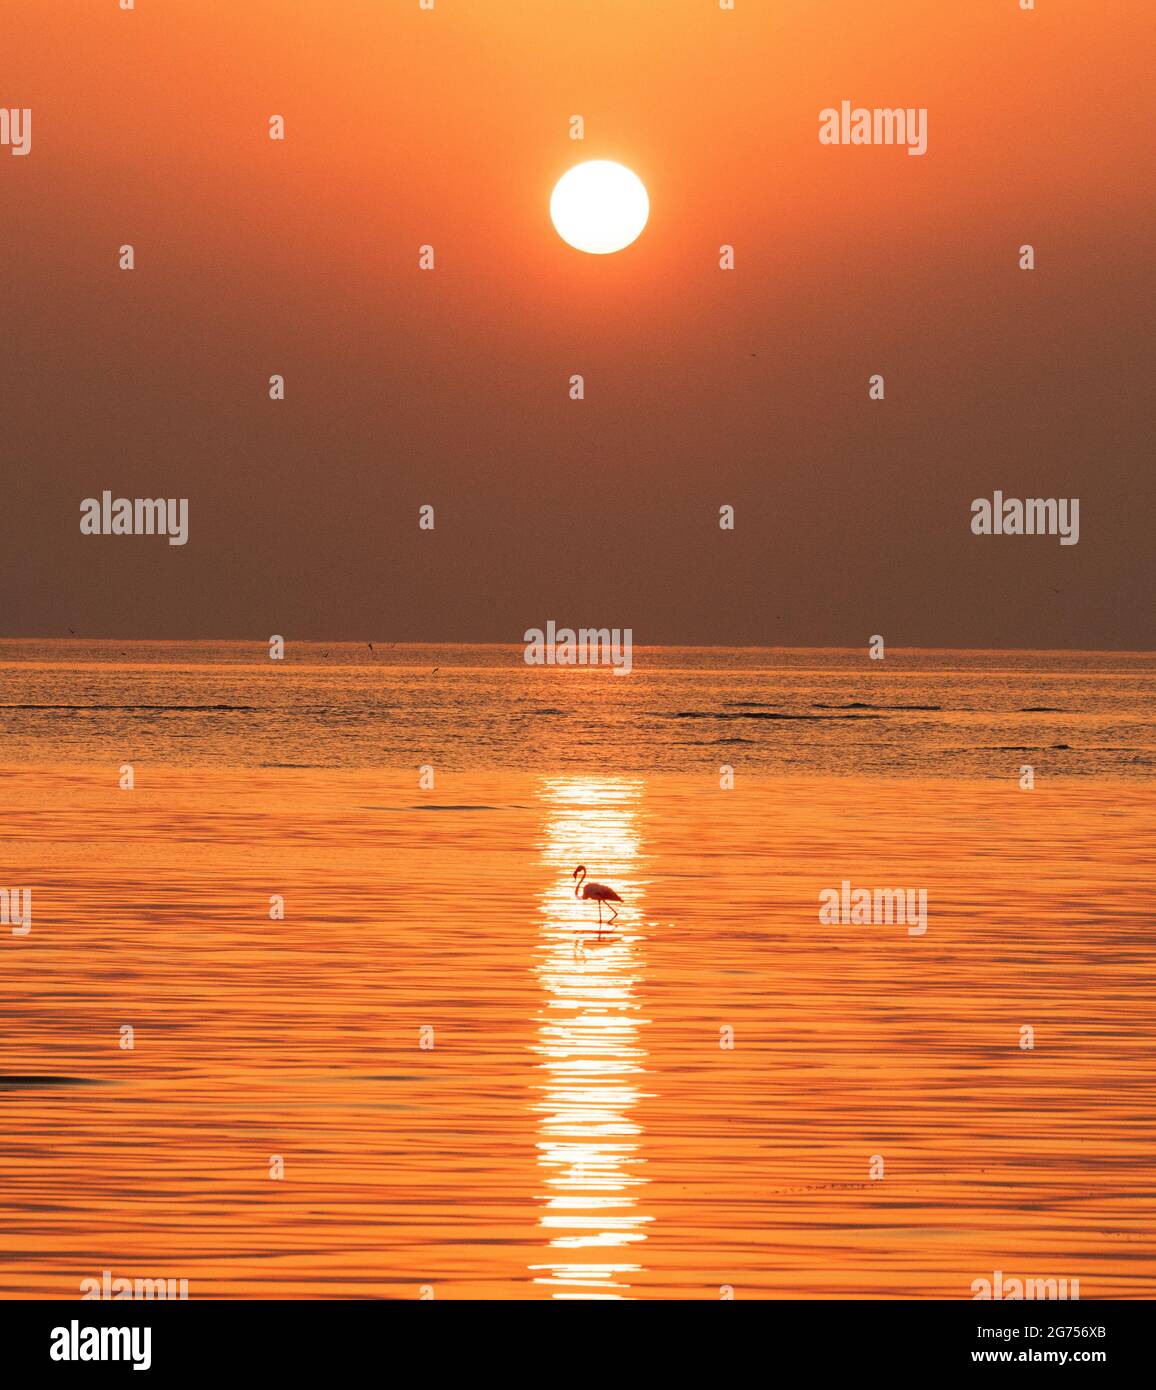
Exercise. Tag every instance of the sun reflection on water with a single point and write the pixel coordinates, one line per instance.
(589, 1041)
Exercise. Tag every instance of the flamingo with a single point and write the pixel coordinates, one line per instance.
(599, 892)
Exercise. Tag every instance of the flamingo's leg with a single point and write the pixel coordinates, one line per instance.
(614, 910)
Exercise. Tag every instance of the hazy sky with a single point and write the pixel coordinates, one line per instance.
(703, 387)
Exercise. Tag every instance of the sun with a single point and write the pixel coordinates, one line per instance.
(599, 207)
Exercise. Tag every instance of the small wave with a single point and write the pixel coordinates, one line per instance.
(249, 708)
(12, 1083)
(858, 704)
(1025, 747)
(759, 714)
(711, 742)
(1041, 709)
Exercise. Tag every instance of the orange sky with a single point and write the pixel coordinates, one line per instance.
(703, 387)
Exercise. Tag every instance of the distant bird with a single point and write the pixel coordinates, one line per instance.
(369, 645)
(599, 892)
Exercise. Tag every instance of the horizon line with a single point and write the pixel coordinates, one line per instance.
(387, 644)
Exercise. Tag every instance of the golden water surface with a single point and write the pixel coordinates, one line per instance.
(471, 1095)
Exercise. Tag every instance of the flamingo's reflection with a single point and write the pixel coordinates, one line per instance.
(591, 1056)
